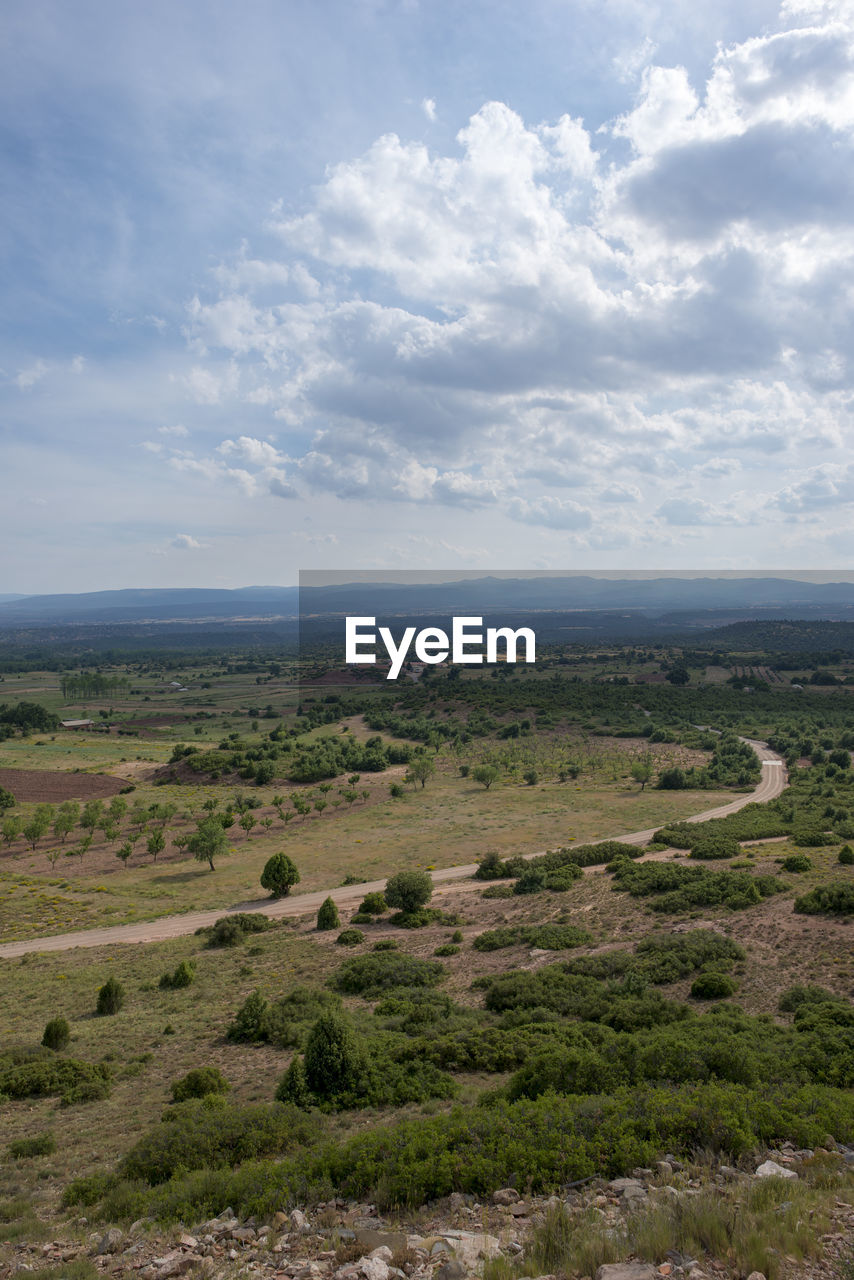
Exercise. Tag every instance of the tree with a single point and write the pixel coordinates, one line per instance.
(279, 874)
(7, 800)
(678, 674)
(156, 843)
(420, 769)
(66, 820)
(327, 916)
(642, 772)
(11, 827)
(485, 774)
(209, 841)
(333, 1060)
(409, 890)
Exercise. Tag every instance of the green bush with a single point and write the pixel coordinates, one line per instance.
(386, 944)
(43, 1144)
(111, 997)
(712, 986)
(677, 888)
(846, 856)
(373, 904)
(42, 1074)
(797, 862)
(447, 949)
(57, 1034)
(213, 1133)
(498, 891)
(232, 930)
(198, 1083)
(551, 937)
(182, 976)
(377, 972)
(284, 1022)
(350, 938)
(327, 916)
(361, 917)
(828, 899)
(716, 846)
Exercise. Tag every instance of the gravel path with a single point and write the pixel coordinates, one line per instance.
(772, 782)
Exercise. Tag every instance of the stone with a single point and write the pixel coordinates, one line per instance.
(756, 1275)
(244, 1234)
(299, 1222)
(373, 1268)
(187, 1241)
(370, 1239)
(451, 1270)
(664, 1168)
(279, 1220)
(505, 1196)
(621, 1185)
(627, 1271)
(110, 1241)
(770, 1169)
(520, 1209)
(382, 1252)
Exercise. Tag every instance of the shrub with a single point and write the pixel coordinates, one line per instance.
(182, 976)
(797, 997)
(797, 862)
(379, 971)
(361, 917)
(373, 904)
(846, 856)
(43, 1144)
(492, 867)
(551, 937)
(386, 944)
(717, 846)
(212, 1134)
(57, 1034)
(447, 949)
(283, 1022)
(198, 1083)
(279, 875)
(499, 891)
(828, 899)
(327, 916)
(42, 1074)
(409, 890)
(111, 997)
(231, 931)
(712, 986)
(350, 938)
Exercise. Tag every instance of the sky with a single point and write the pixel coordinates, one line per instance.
(396, 284)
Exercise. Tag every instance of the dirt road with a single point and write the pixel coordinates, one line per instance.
(772, 782)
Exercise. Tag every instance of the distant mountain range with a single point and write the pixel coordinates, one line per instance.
(687, 597)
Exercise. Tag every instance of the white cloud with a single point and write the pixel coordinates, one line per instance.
(428, 106)
(551, 513)
(186, 542)
(34, 373)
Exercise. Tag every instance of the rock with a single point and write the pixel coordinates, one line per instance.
(641, 1173)
(373, 1268)
(770, 1169)
(451, 1270)
(627, 1271)
(370, 1239)
(756, 1275)
(279, 1220)
(621, 1185)
(245, 1234)
(298, 1220)
(520, 1209)
(382, 1252)
(188, 1242)
(505, 1196)
(140, 1225)
(110, 1241)
(664, 1168)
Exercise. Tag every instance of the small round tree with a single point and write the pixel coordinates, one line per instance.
(409, 890)
(111, 997)
(327, 916)
(278, 875)
(485, 774)
(209, 841)
(199, 1083)
(57, 1033)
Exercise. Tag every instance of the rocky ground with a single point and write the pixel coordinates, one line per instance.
(451, 1240)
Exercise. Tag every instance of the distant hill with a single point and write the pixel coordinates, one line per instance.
(157, 604)
(786, 636)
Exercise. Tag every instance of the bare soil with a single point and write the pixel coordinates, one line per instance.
(52, 785)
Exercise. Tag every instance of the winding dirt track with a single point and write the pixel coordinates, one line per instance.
(772, 782)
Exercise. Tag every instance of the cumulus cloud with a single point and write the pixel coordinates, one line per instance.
(539, 306)
(186, 542)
